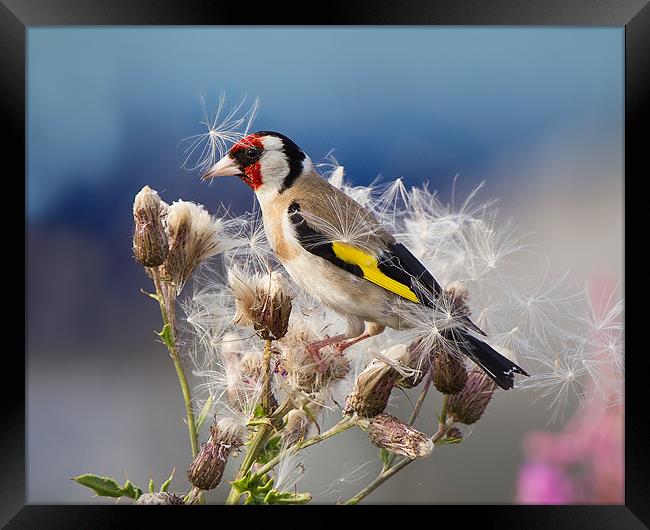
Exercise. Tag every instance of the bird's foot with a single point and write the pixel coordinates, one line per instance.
(314, 350)
(340, 347)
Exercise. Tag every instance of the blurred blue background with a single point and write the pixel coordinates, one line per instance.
(537, 112)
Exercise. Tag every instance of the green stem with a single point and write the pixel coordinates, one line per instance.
(341, 426)
(266, 392)
(194, 494)
(166, 313)
(187, 397)
(443, 412)
(256, 446)
(383, 477)
(260, 439)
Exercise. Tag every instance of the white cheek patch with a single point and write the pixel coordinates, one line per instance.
(274, 165)
(272, 143)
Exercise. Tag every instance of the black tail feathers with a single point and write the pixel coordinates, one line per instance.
(500, 369)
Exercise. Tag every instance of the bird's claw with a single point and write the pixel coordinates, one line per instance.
(314, 352)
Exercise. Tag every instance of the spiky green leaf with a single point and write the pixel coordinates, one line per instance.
(271, 450)
(151, 295)
(130, 490)
(446, 441)
(102, 486)
(166, 336)
(286, 497)
(166, 484)
(255, 489)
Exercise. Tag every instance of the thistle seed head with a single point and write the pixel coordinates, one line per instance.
(457, 295)
(149, 238)
(417, 359)
(390, 433)
(244, 388)
(251, 368)
(371, 390)
(194, 236)
(297, 426)
(207, 469)
(299, 369)
(159, 498)
(262, 302)
(468, 405)
(449, 373)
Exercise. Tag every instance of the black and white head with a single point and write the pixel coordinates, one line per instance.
(267, 161)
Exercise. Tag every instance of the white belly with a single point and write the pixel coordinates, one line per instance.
(315, 275)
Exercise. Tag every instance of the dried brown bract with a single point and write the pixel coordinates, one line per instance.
(159, 498)
(262, 302)
(449, 373)
(207, 469)
(149, 239)
(390, 433)
(468, 405)
(372, 390)
(193, 235)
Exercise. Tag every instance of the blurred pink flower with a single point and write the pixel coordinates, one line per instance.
(543, 483)
(584, 463)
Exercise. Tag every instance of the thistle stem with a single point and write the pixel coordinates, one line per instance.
(383, 477)
(443, 412)
(341, 426)
(194, 494)
(167, 316)
(256, 446)
(266, 393)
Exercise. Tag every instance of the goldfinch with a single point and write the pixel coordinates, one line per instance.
(339, 253)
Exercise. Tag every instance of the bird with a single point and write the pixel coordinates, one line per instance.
(338, 252)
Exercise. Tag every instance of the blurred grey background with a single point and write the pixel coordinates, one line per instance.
(536, 112)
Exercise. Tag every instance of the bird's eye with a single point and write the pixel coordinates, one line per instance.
(252, 152)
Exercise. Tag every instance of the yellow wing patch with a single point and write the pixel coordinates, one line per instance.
(369, 265)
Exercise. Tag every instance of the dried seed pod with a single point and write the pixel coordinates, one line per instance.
(159, 498)
(207, 469)
(417, 359)
(390, 433)
(468, 405)
(244, 386)
(300, 372)
(194, 236)
(400, 365)
(371, 390)
(262, 302)
(449, 373)
(149, 239)
(297, 426)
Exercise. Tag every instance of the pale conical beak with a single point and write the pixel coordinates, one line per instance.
(226, 167)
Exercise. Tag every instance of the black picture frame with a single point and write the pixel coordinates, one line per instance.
(18, 15)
